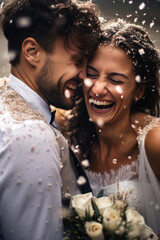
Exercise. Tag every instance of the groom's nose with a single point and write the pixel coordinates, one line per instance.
(82, 74)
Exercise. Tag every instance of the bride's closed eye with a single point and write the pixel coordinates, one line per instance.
(91, 72)
(117, 78)
(114, 77)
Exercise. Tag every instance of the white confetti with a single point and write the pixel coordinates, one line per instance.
(141, 51)
(151, 24)
(81, 180)
(100, 122)
(23, 22)
(76, 150)
(135, 20)
(61, 165)
(138, 79)
(101, 19)
(85, 163)
(67, 93)
(88, 82)
(119, 89)
(130, 15)
(114, 161)
(142, 6)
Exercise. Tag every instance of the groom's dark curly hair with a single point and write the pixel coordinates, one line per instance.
(44, 20)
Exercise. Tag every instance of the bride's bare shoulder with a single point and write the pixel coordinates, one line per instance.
(140, 120)
(149, 126)
(152, 146)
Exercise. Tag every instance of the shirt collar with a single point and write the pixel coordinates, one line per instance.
(34, 100)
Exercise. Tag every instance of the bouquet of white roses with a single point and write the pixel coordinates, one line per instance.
(105, 218)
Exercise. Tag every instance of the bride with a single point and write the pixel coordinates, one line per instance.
(115, 125)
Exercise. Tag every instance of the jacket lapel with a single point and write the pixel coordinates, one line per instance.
(79, 171)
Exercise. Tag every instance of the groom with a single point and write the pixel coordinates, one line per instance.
(49, 42)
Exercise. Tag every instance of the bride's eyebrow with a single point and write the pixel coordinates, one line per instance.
(118, 74)
(108, 75)
(90, 67)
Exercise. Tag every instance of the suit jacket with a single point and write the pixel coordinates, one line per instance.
(71, 168)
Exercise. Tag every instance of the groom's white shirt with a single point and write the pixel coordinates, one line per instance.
(30, 181)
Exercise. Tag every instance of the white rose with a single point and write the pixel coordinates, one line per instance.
(111, 218)
(120, 204)
(136, 223)
(103, 203)
(149, 234)
(82, 203)
(94, 230)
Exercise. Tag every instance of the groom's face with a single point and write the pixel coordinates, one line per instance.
(62, 70)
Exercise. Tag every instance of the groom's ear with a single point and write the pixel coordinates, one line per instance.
(31, 51)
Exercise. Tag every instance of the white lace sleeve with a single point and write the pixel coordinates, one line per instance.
(149, 184)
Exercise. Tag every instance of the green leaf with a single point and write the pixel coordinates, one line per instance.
(87, 216)
(96, 210)
(100, 194)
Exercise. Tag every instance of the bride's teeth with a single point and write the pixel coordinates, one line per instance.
(100, 103)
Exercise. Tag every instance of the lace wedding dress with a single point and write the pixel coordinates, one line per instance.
(137, 178)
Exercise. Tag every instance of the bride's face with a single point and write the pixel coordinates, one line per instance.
(110, 87)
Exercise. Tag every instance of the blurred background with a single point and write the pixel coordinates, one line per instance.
(143, 12)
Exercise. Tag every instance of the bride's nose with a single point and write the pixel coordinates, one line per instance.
(100, 88)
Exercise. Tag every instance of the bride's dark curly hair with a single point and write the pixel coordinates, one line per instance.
(135, 41)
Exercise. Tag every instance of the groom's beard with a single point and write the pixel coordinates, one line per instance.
(52, 88)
